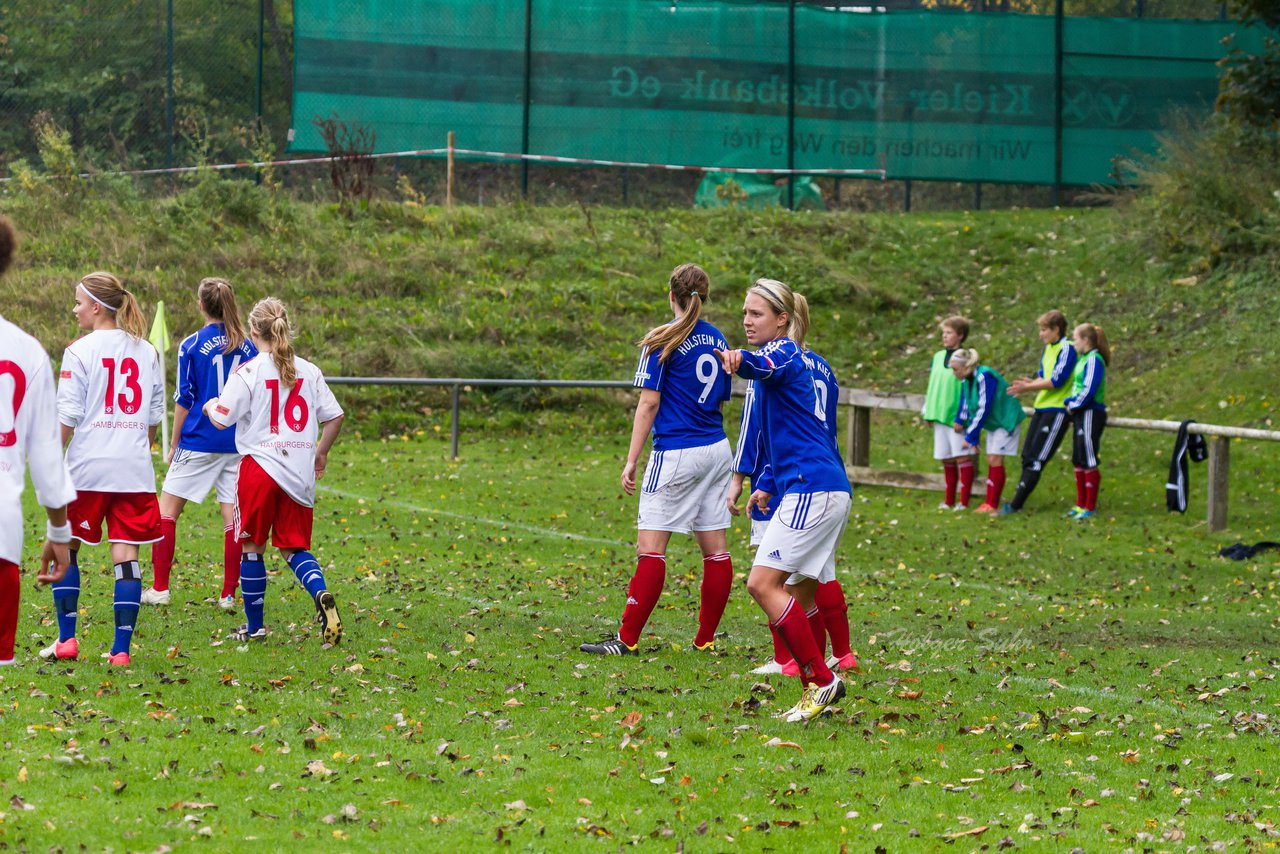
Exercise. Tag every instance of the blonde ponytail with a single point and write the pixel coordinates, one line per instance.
(270, 321)
(107, 291)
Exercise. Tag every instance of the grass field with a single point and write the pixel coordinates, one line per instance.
(1027, 683)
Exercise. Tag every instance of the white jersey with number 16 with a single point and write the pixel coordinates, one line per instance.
(278, 426)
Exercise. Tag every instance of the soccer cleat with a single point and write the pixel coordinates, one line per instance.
(709, 646)
(786, 714)
(1074, 512)
(243, 634)
(769, 668)
(944, 506)
(1083, 515)
(845, 662)
(959, 508)
(118, 659)
(817, 699)
(62, 649)
(152, 596)
(327, 617)
(227, 603)
(1008, 509)
(609, 646)
(984, 507)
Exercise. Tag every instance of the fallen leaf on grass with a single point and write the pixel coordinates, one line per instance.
(910, 695)
(516, 805)
(777, 742)
(973, 831)
(630, 719)
(316, 768)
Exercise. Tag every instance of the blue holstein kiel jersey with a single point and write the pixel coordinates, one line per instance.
(750, 459)
(693, 386)
(796, 395)
(203, 369)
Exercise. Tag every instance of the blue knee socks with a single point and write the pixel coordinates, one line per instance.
(128, 597)
(66, 600)
(253, 587)
(307, 569)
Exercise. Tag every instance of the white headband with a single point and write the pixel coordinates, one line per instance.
(90, 295)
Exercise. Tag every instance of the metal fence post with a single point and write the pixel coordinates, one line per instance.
(168, 91)
(1057, 101)
(791, 106)
(1219, 468)
(453, 421)
(528, 88)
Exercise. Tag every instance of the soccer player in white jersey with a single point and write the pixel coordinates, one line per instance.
(110, 401)
(811, 487)
(202, 457)
(682, 391)
(279, 404)
(28, 433)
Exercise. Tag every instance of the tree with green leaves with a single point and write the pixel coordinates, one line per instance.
(1249, 86)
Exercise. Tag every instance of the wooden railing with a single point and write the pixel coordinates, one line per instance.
(858, 446)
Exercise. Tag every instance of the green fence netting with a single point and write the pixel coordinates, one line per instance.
(926, 95)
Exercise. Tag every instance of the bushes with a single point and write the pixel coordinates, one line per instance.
(1211, 196)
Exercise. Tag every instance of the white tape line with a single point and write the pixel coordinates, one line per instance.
(550, 533)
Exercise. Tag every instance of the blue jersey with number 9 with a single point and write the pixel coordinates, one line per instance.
(203, 369)
(693, 386)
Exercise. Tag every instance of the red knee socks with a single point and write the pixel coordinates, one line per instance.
(642, 596)
(1080, 488)
(230, 562)
(1092, 480)
(995, 484)
(966, 470)
(835, 615)
(9, 592)
(162, 553)
(951, 475)
(717, 581)
(798, 636)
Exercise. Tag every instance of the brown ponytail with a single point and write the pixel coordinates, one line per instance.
(108, 292)
(690, 286)
(1095, 336)
(8, 243)
(218, 301)
(270, 321)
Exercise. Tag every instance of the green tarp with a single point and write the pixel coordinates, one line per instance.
(927, 95)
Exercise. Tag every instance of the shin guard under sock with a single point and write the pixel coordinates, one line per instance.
(230, 562)
(307, 570)
(951, 476)
(10, 590)
(66, 599)
(967, 471)
(162, 553)
(128, 598)
(1080, 488)
(1092, 480)
(995, 484)
(642, 596)
(795, 631)
(253, 587)
(717, 581)
(835, 616)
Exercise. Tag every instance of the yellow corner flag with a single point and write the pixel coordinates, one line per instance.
(159, 337)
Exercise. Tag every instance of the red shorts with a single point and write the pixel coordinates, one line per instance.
(264, 508)
(132, 517)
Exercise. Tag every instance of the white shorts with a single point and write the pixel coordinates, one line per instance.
(1002, 443)
(758, 527)
(684, 490)
(193, 473)
(803, 535)
(947, 443)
